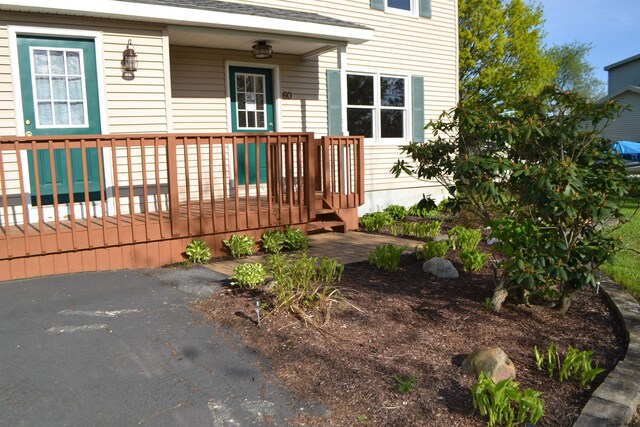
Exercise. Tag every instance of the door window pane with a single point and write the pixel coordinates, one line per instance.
(73, 63)
(392, 124)
(359, 90)
(57, 62)
(45, 113)
(391, 92)
(77, 113)
(59, 88)
(61, 113)
(43, 88)
(41, 61)
(360, 122)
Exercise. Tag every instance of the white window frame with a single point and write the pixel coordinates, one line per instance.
(413, 12)
(377, 107)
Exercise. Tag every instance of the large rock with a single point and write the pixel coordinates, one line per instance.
(440, 267)
(492, 361)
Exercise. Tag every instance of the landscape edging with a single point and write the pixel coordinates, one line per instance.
(615, 401)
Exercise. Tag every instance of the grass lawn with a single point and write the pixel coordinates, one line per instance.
(625, 269)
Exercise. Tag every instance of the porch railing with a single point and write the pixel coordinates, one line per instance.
(166, 186)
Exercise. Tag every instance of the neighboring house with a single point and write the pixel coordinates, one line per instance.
(207, 118)
(624, 87)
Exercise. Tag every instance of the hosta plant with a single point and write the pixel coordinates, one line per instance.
(273, 241)
(295, 240)
(239, 246)
(432, 249)
(387, 257)
(473, 260)
(197, 251)
(248, 275)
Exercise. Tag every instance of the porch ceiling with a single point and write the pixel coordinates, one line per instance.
(243, 40)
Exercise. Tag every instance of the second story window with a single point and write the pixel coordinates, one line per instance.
(400, 5)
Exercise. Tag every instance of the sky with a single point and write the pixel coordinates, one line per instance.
(611, 26)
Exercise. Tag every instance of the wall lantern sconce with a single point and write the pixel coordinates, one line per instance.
(129, 59)
(262, 50)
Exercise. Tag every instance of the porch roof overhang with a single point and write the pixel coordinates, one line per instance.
(214, 23)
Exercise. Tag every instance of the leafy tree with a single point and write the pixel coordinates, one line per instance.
(573, 71)
(551, 180)
(501, 53)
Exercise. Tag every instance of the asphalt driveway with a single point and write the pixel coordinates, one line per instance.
(123, 349)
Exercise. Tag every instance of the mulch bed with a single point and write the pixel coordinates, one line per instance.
(412, 323)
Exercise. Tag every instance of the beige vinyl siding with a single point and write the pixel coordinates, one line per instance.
(626, 127)
(137, 105)
(625, 75)
(132, 106)
(403, 45)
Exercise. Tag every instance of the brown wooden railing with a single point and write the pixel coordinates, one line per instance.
(155, 188)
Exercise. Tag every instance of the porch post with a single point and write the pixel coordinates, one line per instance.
(310, 159)
(172, 174)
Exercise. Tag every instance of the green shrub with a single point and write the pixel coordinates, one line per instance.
(329, 270)
(248, 275)
(432, 249)
(239, 246)
(465, 239)
(375, 221)
(473, 260)
(405, 384)
(425, 208)
(397, 212)
(198, 252)
(421, 230)
(303, 284)
(504, 404)
(387, 257)
(273, 241)
(576, 364)
(295, 240)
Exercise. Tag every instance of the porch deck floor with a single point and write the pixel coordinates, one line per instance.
(194, 211)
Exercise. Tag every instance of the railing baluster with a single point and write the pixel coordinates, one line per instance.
(185, 150)
(72, 216)
(54, 190)
(145, 190)
(85, 183)
(200, 188)
(5, 204)
(132, 205)
(116, 187)
(246, 180)
(103, 202)
(25, 216)
(156, 162)
(236, 184)
(270, 164)
(224, 185)
(39, 208)
(299, 173)
(258, 172)
(211, 187)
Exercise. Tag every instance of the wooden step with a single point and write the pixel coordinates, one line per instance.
(325, 225)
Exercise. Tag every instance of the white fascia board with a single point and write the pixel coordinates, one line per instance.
(184, 16)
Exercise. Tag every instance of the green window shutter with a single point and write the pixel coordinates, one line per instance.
(377, 4)
(334, 102)
(417, 108)
(425, 8)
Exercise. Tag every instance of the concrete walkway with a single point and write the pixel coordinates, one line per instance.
(345, 248)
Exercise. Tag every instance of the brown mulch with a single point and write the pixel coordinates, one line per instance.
(412, 323)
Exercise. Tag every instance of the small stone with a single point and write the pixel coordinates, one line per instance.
(441, 237)
(440, 267)
(492, 241)
(492, 361)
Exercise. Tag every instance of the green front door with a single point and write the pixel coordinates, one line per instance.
(251, 111)
(59, 84)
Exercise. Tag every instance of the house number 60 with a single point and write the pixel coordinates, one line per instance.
(287, 95)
